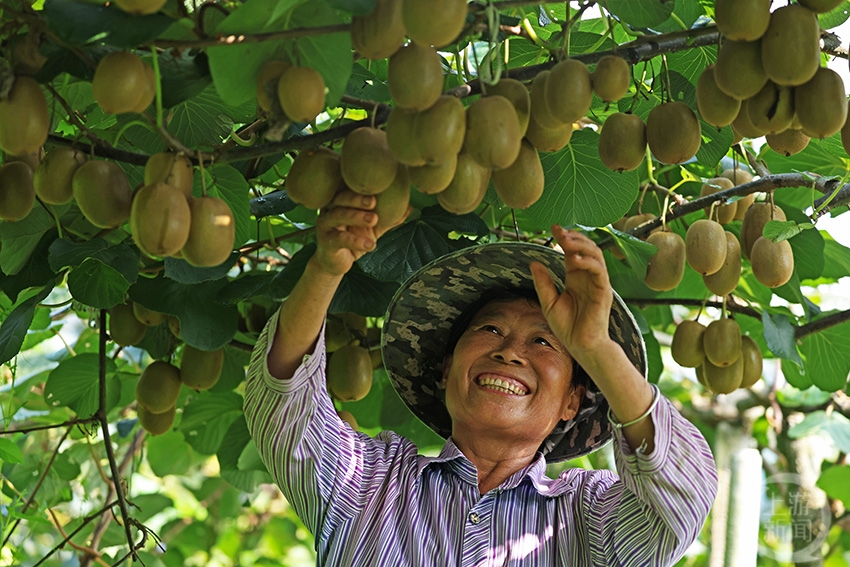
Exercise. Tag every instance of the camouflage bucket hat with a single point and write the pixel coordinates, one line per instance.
(422, 312)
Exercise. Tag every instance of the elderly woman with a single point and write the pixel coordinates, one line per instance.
(519, 355)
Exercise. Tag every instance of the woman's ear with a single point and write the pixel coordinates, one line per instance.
(447, 364)
(572, 403)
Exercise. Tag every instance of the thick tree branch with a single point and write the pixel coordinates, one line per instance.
(733, 307)
(821, 324)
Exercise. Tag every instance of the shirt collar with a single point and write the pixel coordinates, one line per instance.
(535, 472)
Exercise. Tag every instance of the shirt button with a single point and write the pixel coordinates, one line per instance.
(474, 518)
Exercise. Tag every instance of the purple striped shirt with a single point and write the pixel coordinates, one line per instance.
(377, 502)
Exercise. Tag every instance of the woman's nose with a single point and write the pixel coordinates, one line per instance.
(509, 352)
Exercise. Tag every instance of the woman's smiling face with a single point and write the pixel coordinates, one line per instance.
(509, 374)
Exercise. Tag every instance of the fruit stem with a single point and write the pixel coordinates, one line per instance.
(158, 85)
(203, 174)
(129, 125)
(679, 21)
(838, 187)
(649, 173)
(54, 215)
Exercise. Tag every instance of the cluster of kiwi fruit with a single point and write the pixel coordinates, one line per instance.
(725, 360)
(768, 80)
(353, 355)
(159, 385)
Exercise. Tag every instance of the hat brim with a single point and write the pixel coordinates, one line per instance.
(423, 310)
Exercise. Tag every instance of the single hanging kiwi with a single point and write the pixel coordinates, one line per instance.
(686, 347)
(739, 71)
(705, 246)
(212, 231)
(742, 20)
(415, 76)
(612, 78)
(121, 83)
(391, 204)
(752, 226)
(380, 33)
(434, 22)
(773, 262)
(622, 142)
(521, 184)
(160, 219)
(17, 195)
(725, 280)
(103, 193)
(752, 358)
(430, 179)
(301, 93)
(314, 177)
(124, 328)
(493, 135)
(517, 93)
(723, 379)
(349, 373)
(52, 179)
(666, 268)
(821, 104)
(156, 423)
(673, 132)
(548, 139)
(24, 118)
(467, 188)
(366, 163)
(790, 48)
(401, 136)
(539, 106)
(716, 107)
(439, 130)
(772, 108)
(722, 342)
(158, 387)
(172, 168)
(201, 369)
(569, 93)
(722, 213)
(788, 142)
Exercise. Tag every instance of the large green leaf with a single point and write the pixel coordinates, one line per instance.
(833, 424)
(75, 384)
(836, 259)
(169, 453)
(182, 271)
(204, 120)
(10, 452)
(122, 257)
(580, 189)
(20, 238)
(827, 356)
(36, 272)
(362, 294)
(79, 23)
(97, 284)
(641, 13)
(14, 327)
(237, 443)
(205, 323)
(807, 246)
(835, 17)
(835, 481)
(779, 335)
(206, 419)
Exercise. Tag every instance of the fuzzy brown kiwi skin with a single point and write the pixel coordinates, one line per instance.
(773, 262)
(380, 33)
(493, 135)
(521, 184)
(725, 280)
(686, 348)
(17, 194)
(622, 142)
(611, 78)
(705, 246)
(820, 104)
(666, 268)
(569, 93)
(722, 342)
(673, 132)
(791, 45)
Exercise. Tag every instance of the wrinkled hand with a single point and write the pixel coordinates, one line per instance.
(579, 315)
(346, 230)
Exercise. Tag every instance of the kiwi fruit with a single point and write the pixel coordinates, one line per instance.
(716, 107)
(722, 213)
(820, 6)
(140, 7)
(337, 334)
(493, 137)
(548, 139)
(172, 168)
(790, 48)
(845, 131)
(401, 136)
(686, 347)
(415, 76)
(722, 342)
(743, 127)
(103, 193)
(772, 108)
(739, 71)
(539, 105)
(212, 232)
(52, 180)
(24, 118)
(122, 83)
(788, 142)
(723, 379)
(147, 317)
(705, 246)
(467, 188)
(201, 369)
(349, 373)
(314, 178)
(637, 220)
(156, 423)
(434, 22)
(32, 159)
(821, 104)
(348, 418)
(391, 204)
(700, 372)
(380, 33)
(158, 387)
(17, 195)
(752, 359)
(569, 93)
(742, 20)
(26, 55)
(440, 130)
(517, 93)
(521, 184)
(752, 226)
(622, 142)
(148, 90)
(377, 359)
(301, 93)
(267, 80)
(124, 328)
(673, 132)
(666, 268)
(773, 262)
(725, 280)
(159, 219)
(430, 179)
(611, 78)
(366, 163)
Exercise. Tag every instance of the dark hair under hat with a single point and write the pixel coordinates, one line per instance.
(423, 311)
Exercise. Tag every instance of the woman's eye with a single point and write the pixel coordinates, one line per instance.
(542, 341)
(490, 328)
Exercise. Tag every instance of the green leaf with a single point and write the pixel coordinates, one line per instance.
(779, 335)
(715, 144)
(79, 23)
(835, 481)
(795, 398)
(783, 230)
(655, 364)
(823, 157)
(169, 453)
(248, 285)
(10, 452)
(227, 183)
(204, 120)
(205, 323)
(329, 54)
(74, 384)
(67, 253)
(580, 189)
(14, 327)
(834, 425)
(355, 7)
(237, 442)
(637, 252)
(835, 17)
(827, 356)
(641, 13)
(20, 238)
(182, 271)
(362, 294)
(96, 284)
(836, 259)
(35, 273)
(207, 418)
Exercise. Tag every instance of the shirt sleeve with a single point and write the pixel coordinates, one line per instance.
(656, 508)
(316, 459)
